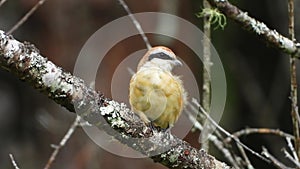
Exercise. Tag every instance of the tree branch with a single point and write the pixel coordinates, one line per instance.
(206, 90)
(25, 61)
(63, 142)
(261, 30)
(26, 16)
(294, 86)
(13, 161)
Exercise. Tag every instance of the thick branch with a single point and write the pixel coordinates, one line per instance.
(272, 37)
(25, 61)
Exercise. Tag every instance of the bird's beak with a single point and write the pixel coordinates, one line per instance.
(177, 62)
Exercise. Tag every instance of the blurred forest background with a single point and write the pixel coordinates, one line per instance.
(257, 78)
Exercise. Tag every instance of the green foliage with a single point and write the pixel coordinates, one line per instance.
(214, 17)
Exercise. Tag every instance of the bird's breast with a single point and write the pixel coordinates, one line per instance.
(158, 95)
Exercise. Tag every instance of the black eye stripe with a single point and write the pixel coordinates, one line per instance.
(160, 55)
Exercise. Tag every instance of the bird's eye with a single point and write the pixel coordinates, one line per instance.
(160, 55)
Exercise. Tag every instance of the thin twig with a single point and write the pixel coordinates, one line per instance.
(274, 161)
(242, 151)
(291, 7)
(289, 156)
(199, 117)
(206, 59)
(2, 2)
(214, 139)
(26, 16)
(14, 163)
(227, 154)
(206, 69)
(293, 76)
(193, 120)
(136, 24)
(290, 145)
(62, 143)
(248, 131)
(130, 71)
(227, 133)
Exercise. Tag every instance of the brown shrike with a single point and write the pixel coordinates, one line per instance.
(156, 95)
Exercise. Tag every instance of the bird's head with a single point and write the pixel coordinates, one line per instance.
(161, 57)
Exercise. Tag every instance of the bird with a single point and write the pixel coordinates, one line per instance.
(155, 94)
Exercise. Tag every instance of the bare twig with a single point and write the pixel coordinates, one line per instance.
(291, 7)
(14, 163)
(213, 138)
(62, 143)
(291, 147)
(206, 60)
(206, 94)
(136, 24)
(2, 2)
(248, 131)
(259, 28)
(26, 16)
(244, 155)
(274, 161)
(293, 76)
(193, 120)
(289, 156)
(227, 133)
